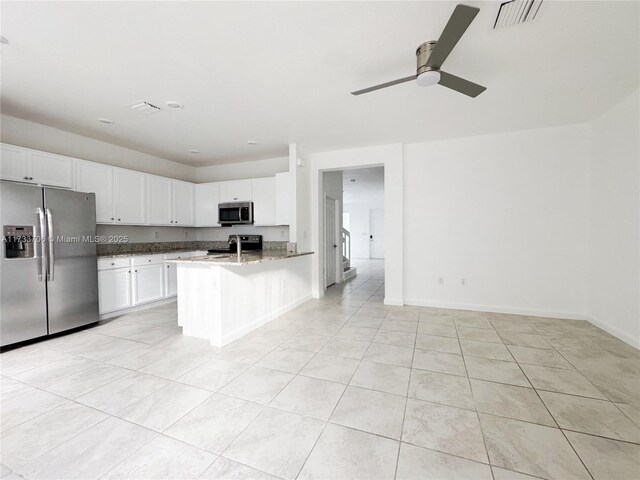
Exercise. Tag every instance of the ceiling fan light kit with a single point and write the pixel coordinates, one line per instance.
(431, 55)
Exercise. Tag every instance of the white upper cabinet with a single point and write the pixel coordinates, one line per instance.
(51, 170)
(182, 203)
(235, 191)
(130, 196)
(25, 165)
(206, 204)
(283, 198)
(97, 178)
(159, 200)
(264, 200)
(13, 163)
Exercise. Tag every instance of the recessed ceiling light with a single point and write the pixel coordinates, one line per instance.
(194, 151)
(3, 39)
(106, 121)
(172, 104)
(252, 142)
(353, 180)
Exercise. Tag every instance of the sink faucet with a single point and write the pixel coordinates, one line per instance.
(239, 247)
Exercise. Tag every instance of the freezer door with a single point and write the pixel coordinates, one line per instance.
(72, 274)
(23, 304)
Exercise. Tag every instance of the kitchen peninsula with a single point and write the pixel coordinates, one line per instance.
(222, 297)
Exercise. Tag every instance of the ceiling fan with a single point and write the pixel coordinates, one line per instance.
(431, 55)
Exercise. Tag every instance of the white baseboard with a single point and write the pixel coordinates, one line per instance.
(393, 301)
(240, 332)
(616, 332)
(496, 309)
(117, 313)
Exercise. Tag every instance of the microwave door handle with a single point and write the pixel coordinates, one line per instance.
(51, 259)
(41, 257)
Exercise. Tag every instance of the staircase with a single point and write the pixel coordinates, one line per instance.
(347, 270)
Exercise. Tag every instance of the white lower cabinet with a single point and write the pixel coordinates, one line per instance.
(114, 289)
(170, 279)
(126, 282)
(148, 283)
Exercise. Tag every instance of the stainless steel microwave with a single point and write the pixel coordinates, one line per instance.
(235, 213)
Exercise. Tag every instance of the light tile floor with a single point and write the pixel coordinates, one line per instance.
(342, 387)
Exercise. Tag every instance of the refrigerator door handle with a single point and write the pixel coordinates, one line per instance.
(51, 259)
(41, 264)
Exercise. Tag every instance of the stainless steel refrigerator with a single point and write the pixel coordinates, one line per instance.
(48, 266)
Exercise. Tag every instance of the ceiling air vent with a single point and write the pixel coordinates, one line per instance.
(145, 107)
(516, 11)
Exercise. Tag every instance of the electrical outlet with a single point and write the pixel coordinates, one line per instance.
(156, 235)
(186, 234)
(440, 280)
(463, 282)
(281, 233)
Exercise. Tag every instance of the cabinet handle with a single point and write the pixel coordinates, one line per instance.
(30, 178)
(26, 178)
(112, 263)
(112, 218)
(118, 219)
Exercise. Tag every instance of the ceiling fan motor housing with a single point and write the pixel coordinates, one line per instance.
(422, 54)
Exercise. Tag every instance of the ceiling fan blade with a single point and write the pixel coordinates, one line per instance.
(384, 85)
(460, 85)
(460, 20)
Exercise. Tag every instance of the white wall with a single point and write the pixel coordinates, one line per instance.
(507, 212)
(23, 133)
(614, 233)
(236, 171)
(272, 234)
(360, 216)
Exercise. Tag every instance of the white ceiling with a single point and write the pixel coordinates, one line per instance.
(282, 72)
(367, 188)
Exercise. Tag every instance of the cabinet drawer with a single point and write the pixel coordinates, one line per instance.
(147, 260)
(109, 263)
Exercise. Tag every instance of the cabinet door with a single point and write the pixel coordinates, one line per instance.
(95, 178)
(283, 198)
(114, 289)
(235, 191)
(130, 196)
(264, 200)
(148, 283)
(182, 203)
(159, 199)
(206, 203)
(50, 169)
(13, 163)
(170, 280)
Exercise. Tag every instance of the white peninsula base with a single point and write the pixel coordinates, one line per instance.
(224, 301)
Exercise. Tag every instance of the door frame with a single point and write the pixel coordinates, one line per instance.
(338, 260)
(391, 157)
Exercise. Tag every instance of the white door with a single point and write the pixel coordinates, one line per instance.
(50, 169)
(13, 163)
(148, 283)
(263, 191)
(159, 197)
(170, 280)
(182, 203)
(130, 196)
(235, 191)
(95, 178)
(376, 233)
(331, 243)
(114, 289)
(283, 198)
(206, 204)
